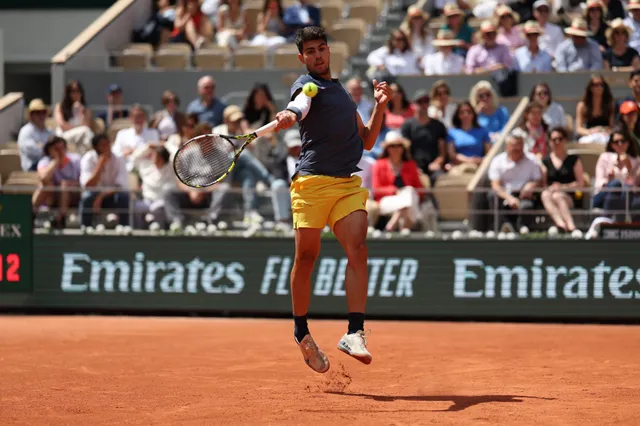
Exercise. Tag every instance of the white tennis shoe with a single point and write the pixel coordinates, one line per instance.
(355, 345)
(313, 356)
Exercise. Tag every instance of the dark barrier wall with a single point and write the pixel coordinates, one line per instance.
(16, 249)
(474, 279)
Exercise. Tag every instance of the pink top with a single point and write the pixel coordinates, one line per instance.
(513, 38)
(395, 121)
(607, 162)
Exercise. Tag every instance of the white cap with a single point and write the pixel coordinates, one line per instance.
(540, 3)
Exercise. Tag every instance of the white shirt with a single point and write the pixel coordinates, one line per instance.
(31, 140)
(513, 176)
(554, 116)
(551, 39)
(422, 46)
(438, 64)
(634, 41)
(129, 139)
(114, 172)
(167, 126)
(447, 118)
(291, 166)
(396, 62)
(155, 182)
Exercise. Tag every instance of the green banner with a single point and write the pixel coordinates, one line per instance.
(16, 248)
(455, 279)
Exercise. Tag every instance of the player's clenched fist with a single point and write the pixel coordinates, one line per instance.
(285, 119)
(382, 92)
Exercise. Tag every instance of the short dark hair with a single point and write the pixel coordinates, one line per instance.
(309, 34)
(457, 123)
(98, 138)
(162, 153)
(561, 130)
(633, 74)
(51, 142)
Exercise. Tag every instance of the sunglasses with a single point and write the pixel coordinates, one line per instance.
(423, 101)
(620, 141)
(484, 95)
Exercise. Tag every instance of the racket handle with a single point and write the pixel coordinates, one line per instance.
(267, 128)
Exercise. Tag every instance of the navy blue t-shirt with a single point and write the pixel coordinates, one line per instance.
(331, 144)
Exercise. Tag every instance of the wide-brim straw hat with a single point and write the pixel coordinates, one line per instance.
(578, 28)
(451, 9)
(414, 10)
(617, 24)
(395, 138)
(446, 38)
(532, 27)
(488, 27)
(37, 105)
(505, 10)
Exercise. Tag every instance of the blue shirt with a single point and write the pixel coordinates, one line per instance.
(495, 122)
(211, 114)
(469, 143)
(526, 62)
(331, 143)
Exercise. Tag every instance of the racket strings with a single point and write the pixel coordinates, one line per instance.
(203, 161)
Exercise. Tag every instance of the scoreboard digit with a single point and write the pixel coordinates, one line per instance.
(16, 243)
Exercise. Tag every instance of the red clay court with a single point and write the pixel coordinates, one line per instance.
(169, 371)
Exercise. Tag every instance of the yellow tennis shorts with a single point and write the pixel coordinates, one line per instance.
(317, 200)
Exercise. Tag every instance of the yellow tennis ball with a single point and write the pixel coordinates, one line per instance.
(310, 89)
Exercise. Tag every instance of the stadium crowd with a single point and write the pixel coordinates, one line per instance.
(425, 136)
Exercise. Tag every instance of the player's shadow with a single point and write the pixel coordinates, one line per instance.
(459, 402)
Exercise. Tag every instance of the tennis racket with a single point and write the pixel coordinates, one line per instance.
(208, 159)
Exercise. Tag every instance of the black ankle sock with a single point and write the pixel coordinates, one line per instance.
(300, 328)
(356, 322)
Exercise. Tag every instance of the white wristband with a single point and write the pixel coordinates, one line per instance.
(300, 106)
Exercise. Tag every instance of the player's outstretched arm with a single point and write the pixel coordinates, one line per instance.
(382, 94)
(297, 110)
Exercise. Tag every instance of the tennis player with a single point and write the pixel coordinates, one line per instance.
(324, 190)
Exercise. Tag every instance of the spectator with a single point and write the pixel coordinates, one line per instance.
(232, 26)
(439, 6)
(74, 118)
(260, 107)
(620, 56)
(185, 132)
(578, 53)
(416, 28)
(207, 106)
(595, 112)
(168, 121)
(563, 177)
(271, 28)
(191, 25)
(428, 138)
(151, 162)
(249, 171)
(537, 129)
(115, 107)
(294, 145)
(396, 57)
(633, 22)
(364, 103)
(60, 169)
(157, 30)
(130, 139)
(634, 85)
(396, 183)
(399, 108)
(553, 112)
(614, 10)
(33, 135)
(628, 120)
(617, 176)
(445, 61)
(467, 141)
(272, 154)
(441, 107)
(99, 169)
(491, 116)
(552, 34)
(455, 22)
(377, 149)
(489, 55)
(531, 58)
(300, 15)
(594, 14)
(508, 33)
(514, 176)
